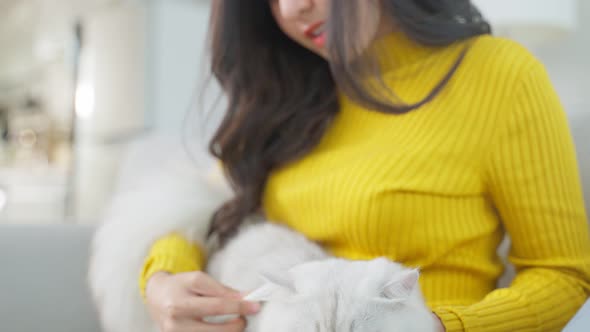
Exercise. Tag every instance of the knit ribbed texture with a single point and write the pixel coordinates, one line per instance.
(437, 187)
(172, 254)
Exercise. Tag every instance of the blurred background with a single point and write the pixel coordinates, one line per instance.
(83, 80)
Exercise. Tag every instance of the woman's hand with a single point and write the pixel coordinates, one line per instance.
(180, 302)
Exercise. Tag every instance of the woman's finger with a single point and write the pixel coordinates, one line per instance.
(196, 307)
(216, 306)
(202, 284)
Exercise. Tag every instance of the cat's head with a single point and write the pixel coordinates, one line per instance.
(335, 295)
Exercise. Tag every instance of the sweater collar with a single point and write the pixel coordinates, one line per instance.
(397, 50)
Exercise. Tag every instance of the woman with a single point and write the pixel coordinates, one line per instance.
(390, 128)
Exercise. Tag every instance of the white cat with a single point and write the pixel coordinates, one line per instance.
(304, 289)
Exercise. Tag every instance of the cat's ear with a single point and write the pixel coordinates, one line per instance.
(275, 287)
(401, 286)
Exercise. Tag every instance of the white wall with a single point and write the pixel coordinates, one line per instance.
(113, 68)
(568, 63)
(148, 63)
(177, 68)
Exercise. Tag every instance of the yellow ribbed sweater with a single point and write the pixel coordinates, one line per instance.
(436, 188)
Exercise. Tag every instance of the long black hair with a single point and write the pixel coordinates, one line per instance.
(281, 97)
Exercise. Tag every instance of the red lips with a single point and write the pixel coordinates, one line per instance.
(319, 39)
(309, 32)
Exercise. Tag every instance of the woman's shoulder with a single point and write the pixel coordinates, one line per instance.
(501, 57)
(502, 64)
(509, 71)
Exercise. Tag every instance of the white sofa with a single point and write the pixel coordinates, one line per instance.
(43, 279)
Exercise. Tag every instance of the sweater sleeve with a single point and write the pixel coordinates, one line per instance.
(535, 187)
(173, 254)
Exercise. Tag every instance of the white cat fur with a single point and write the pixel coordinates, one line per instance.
(177, 197)
(174, 196)
(304, 289)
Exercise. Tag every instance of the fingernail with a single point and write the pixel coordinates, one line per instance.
(253, 307)
(237, 295)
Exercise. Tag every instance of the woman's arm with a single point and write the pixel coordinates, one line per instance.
(534, 184)
(173, 254)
